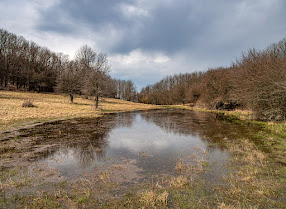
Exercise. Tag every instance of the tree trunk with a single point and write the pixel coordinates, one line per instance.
(96, 104)
(71, 97)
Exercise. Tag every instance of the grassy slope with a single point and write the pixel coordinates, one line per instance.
(240, 114)
(54, 106)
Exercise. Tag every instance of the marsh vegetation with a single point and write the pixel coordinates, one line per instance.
(161, 158)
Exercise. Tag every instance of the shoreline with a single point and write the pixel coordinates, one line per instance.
(257, 178)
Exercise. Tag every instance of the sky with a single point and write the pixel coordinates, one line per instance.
(147, 40)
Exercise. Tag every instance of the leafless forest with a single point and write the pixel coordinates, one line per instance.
(24, 65)
(256, 81)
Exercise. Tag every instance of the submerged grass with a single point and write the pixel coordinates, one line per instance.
(256, 182)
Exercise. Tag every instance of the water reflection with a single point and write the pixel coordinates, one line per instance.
(156, 139)
(94, 148)
(212, 128)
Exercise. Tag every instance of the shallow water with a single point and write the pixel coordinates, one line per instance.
(154, 140)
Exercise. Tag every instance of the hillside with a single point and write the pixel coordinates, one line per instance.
(55, 106)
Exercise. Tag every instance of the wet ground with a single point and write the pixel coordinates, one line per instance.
(125, 149)
(154, 142)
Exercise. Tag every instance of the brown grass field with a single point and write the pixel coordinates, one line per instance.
(55, 106)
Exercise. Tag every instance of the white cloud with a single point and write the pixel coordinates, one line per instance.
(21, 16)
(146, 39)
(161, 59)
(140, 66)
(149, 67)
(133, 11)
(61, 43)
(155, 140)
(17, 17)
(139, 57)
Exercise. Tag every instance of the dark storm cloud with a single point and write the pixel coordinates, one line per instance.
(170, 26)
(70, 15)
(191, 34)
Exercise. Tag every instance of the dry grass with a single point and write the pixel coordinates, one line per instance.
(179, 166)
(104, 177)
(162, 198)
(225, 206)
(179, 181)
(241, 114)
(254, 177)
(150, 198)
(87, 187)
(248, 153)
(28, 103)
(54, 106)
(14, 179)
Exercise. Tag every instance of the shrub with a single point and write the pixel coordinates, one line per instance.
(28, 103)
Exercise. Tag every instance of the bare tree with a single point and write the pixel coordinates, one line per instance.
(97, 85)
(70, 80)
(97, 81)
(86, 56)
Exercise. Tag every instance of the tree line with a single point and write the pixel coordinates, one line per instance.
(256, 81)
(24, 65)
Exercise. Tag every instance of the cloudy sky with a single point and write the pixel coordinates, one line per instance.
(149, 39)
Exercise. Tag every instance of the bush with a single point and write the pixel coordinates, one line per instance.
(28, 103)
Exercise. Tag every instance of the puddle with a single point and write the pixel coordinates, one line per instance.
(119, 159)
(155, 141)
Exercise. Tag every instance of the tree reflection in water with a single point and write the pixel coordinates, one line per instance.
(87, 140)
(211, 127)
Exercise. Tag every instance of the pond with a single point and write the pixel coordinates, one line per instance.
(157, 158)
(159, 142)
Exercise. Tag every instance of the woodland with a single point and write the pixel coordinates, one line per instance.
(256, 81)
(26, 66)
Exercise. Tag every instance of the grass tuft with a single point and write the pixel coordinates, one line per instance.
(150, 199)
(179, 166)
(179, 181)
(28, 103)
